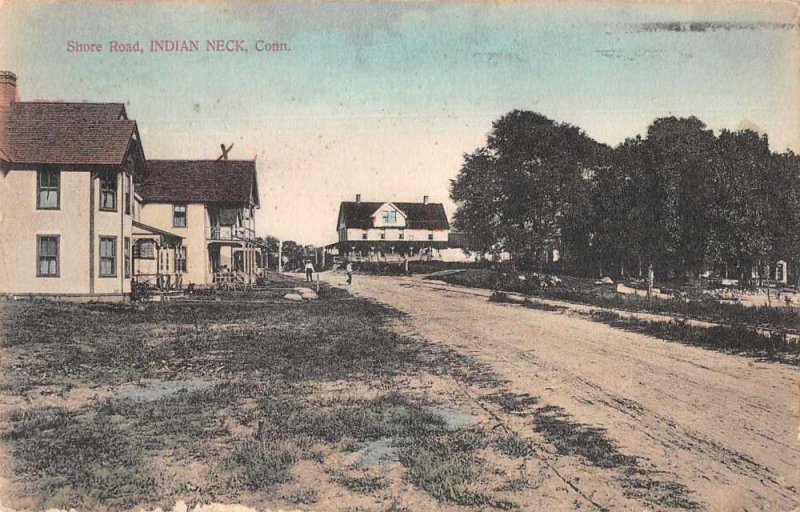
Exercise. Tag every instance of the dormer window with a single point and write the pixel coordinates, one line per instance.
(108, 191)
(390, 217)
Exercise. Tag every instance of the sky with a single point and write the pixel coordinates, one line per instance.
(384, 98)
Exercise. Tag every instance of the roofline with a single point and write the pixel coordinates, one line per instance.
(63, 102)
(393, 203)
(134, 130)
(196, 160)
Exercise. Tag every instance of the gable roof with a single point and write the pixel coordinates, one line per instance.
(418, 215)
(200, 181)
(65, 133)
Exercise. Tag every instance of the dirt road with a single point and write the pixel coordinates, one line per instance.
(724, 426)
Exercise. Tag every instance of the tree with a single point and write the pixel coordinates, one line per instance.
(517, 193)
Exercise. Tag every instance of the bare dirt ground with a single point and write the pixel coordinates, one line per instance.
(724, 426)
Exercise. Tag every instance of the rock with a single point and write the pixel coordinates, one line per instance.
(605, 280)
(293, 296)
(309, 295)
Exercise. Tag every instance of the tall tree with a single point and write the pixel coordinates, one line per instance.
(522, 187)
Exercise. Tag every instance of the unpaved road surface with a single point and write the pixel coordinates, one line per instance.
(724, 426)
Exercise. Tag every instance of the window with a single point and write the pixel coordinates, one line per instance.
(108, 191)
(128, 193)
(364, 236)
(430, 236)
(390, 217)
(108, 256)
(144, 249)
(180, 259)
(47, 255)
(48, 184)
(179, 216)
(383, 235)
(402, 234)
(127, 257)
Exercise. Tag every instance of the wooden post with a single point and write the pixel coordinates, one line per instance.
(280, 256)
(317, 282)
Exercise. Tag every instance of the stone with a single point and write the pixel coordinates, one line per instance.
(293, 296)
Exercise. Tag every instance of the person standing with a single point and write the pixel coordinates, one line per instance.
(309, 271)
(349, 270)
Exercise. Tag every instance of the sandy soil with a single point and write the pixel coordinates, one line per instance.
(725, 426)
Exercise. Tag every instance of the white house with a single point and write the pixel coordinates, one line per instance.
(380, 230)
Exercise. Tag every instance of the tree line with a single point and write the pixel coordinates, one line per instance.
(681, 198)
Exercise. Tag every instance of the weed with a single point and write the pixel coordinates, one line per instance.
(362, 484)
(261, 463)
(572, 438)
(512, 445)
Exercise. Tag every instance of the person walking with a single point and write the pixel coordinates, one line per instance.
(309, 271)
(349, 270)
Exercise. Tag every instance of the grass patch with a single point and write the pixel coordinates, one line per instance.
(264, 362)
(184, 421)
(390, 415)
(735, 339)
(257, 464)
(76, 460)
(447, 467)
(576, 439)
(512, 445)
(584, 292)
(446, 472)
(644, 485)
(362, 484)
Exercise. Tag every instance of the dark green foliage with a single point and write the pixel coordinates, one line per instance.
(680, 198)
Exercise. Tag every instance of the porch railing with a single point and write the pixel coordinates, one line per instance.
(230, 233)
(160, 282)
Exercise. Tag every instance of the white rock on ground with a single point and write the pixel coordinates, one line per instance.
(293, 296)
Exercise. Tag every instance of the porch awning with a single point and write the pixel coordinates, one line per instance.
(167, 238)
(387, 245)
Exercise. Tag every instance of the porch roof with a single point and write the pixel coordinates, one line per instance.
(166, 236)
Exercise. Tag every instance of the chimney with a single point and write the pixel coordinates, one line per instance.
(425, 199)
(8, 88)
(358, 198)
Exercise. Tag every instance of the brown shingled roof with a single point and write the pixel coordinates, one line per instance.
(200, 181)
(418, 215)
(65, 133)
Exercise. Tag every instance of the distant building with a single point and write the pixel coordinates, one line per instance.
(387, 229)
(211, 205)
